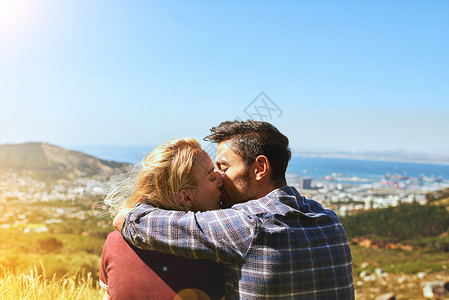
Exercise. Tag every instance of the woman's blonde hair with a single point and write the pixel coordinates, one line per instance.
(159, 177)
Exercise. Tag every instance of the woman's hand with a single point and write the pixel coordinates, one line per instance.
(120, 218)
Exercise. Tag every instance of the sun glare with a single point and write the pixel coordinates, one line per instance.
(15, 17)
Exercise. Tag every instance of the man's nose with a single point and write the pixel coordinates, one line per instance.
(219, 179)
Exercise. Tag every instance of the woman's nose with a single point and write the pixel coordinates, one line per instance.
(219, 179)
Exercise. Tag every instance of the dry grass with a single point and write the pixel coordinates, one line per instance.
(31, 286)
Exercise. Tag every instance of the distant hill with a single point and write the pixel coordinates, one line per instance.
(398, 155)
(46, 161)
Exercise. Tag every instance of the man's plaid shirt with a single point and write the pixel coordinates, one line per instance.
(281, 246)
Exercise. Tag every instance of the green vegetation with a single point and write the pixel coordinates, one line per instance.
(398, 261)
(408, 222)
(440, 197)
(423, 229)
(52, 249)
(30, 285)
(29, 156)
(68, 248)
(61, 255)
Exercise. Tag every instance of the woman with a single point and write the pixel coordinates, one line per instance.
(177, 175)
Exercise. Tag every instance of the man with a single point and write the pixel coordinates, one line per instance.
(279, 245)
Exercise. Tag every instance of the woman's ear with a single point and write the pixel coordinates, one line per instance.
(185, 198)
(262, 167)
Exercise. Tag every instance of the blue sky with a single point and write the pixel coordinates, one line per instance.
(347, 75)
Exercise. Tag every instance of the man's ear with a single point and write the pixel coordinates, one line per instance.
(262, 166)
(185, 198)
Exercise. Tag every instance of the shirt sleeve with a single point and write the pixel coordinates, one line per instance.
(221, 235)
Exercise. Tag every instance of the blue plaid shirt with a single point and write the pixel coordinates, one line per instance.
(281, 246)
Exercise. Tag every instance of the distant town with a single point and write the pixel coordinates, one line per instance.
(344, 195)
(349, 195)
(16, 188)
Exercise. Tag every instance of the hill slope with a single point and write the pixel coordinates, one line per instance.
(419, 226)
(46, 161)
(407, 221)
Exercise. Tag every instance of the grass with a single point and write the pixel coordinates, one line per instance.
(30, 286)
(398, 261)
(46, 281)
(69, 253)
(60, 254)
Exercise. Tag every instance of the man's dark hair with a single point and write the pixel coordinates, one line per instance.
(253, 138)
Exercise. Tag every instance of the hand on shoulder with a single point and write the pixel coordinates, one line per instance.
(120, 218)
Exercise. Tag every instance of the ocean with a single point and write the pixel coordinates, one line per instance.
(303, 166)
(319, 167)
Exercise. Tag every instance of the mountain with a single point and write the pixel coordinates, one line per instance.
(46, 161)
(396, 155)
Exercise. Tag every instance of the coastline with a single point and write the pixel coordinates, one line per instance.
(371, 158)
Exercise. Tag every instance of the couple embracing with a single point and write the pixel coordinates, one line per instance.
(235, 230)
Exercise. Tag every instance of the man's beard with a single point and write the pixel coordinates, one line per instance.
(240, 192)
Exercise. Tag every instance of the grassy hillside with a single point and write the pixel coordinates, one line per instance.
(440, 197)
(399, 223)
(45, 161)
(23, 156)
(30, 285)
(421, 227)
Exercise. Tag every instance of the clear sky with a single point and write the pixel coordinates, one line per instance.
(341, 75)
